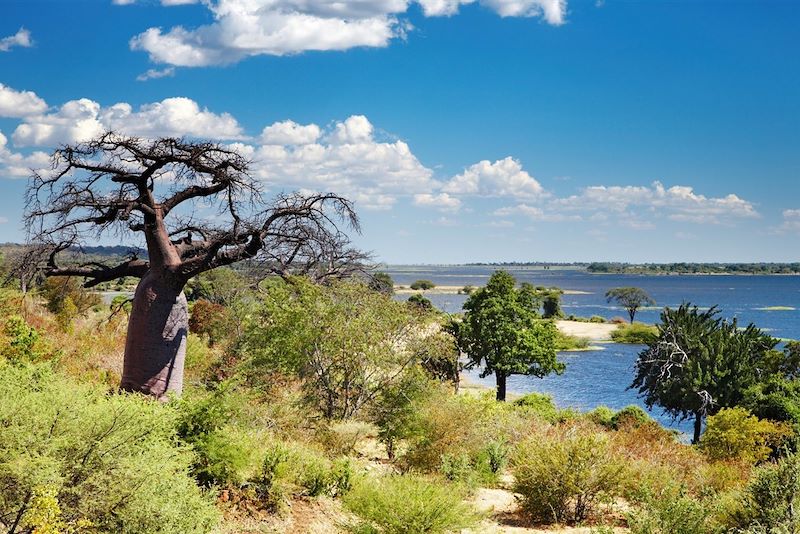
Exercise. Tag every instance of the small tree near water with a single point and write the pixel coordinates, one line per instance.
(502, 333)
(630, 298)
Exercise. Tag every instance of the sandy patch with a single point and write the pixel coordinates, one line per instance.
(590, 331)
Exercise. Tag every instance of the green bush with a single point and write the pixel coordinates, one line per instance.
(403, 504)
(563, 478)
(292, 469)
(89, 457)
(597, 319)
(674, 512)
(602, 415)
(422, 285)
(771, 498)
(630, 416)
(636, 334)
(568, 342)
(735, 434)
(540, 404)
(24, 343)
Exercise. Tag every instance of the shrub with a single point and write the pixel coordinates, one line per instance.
(86, 456)
(403, 504)
(225, 454)
(397, 406)
(422, 285)
(563, 477)
(597, 319)
(636, 334)
(735, 434)
(210, 319)
(340, 438)
(672, 512)
(419, 302)
(540, 404)
(24, 343)
(568, 342)
(771, 498)
(291, 469)
(456, 425)
(340, 340)
(602, 415)
(630, 416)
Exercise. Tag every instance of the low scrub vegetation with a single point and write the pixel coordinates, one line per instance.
(298, 395)
(635, 333)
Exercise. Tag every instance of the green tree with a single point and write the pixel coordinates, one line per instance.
(551, 303)
(423, 285)
(630, 298)
(501, 332)
(344, 341)
(700, 364)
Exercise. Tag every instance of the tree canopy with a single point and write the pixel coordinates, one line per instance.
(630, 298)
(700, 363)
(502, 332)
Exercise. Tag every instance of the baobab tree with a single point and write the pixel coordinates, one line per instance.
(197, 208)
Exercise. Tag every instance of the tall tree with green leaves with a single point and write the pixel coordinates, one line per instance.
(630, 298)
(700, 364)
(503, 333)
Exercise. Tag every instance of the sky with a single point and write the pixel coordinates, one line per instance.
(463, 130)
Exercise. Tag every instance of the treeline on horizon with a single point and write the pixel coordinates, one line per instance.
(659, 268)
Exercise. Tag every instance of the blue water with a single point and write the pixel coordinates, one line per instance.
(595, 378)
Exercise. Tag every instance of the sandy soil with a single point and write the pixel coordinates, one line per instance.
(591, 331)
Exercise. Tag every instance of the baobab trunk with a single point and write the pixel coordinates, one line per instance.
(155, 347)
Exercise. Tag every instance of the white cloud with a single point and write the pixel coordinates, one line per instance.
(18, 104)
(345, 159)
(442, 201)
(22, 38)
(790, 223)
(175, 116)
(553, 11)
(82, 119)
(532, 212)
(678, 203)
(290, 133)
(154, 74)
(502, 178)
(244, 28)
(15, 165)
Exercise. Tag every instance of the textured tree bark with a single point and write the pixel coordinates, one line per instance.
(155, 347)
(501, 385)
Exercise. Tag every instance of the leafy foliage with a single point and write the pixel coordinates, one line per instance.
(735, 434)
(630, 298)
(408, 503)
(635, 333)
(502, 333)
(700, 364)
(342, 340)
(563, 478)
(422, 285)
(109, 460)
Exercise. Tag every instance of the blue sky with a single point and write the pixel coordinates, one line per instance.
(464, 130)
